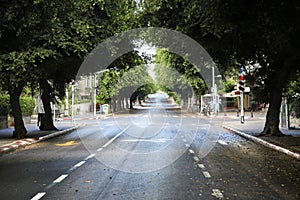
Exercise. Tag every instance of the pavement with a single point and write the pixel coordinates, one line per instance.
(289, 144)
(34, 135)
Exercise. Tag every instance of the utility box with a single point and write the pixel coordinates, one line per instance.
(105, 108)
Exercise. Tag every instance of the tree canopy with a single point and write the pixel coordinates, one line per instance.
(239, 33)
(44, 42)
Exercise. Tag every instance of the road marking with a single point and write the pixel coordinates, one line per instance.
(160, 140)
(222, 142)
(217, 193)
(38, 196)
(79, 164)
(100, 149)
(61, 178)
(191, 151)
(201, 166)
(90, 156)
(110, 141)
(69, 143)
(206, 174)
(196, 159)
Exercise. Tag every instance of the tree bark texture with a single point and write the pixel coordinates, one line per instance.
(20, 130)
(46, 99)
(273, 115)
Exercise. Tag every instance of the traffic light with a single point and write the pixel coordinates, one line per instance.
(241, 83)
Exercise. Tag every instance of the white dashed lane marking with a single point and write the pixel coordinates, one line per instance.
(191, 151)
(217, 193)
(79, 164)
(90, 156)
(38, 196)
(61, 178)
(100, 149)
(201, 166)
(206, 174)
(196, 159)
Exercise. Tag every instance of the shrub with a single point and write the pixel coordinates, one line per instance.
(27, 105)
(4, 105)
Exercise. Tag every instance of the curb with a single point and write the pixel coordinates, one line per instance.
(59, 133)
(86, 118)
(28, 141)
(264, 143)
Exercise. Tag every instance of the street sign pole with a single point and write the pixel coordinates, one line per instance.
(242, 108)
(242, 90)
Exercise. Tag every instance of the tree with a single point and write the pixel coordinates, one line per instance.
(261, 32)
(52, 33)
(236, 33)
(175, 74)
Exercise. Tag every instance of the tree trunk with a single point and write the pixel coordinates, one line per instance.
(46, 99)
(14, 97)
(272, 120)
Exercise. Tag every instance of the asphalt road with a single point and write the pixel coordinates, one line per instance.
(149, 154)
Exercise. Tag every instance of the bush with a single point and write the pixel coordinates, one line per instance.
(4, 105)
(4, 109)
(27, 105)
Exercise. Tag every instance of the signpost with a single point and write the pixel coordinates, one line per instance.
(242, 89)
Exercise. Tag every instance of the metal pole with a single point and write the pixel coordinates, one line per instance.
(216, 100)
(54, 112)
(67, 102)
(286, 113)
(213, 89)
(95, 95)
(72, 111)
(242, 108)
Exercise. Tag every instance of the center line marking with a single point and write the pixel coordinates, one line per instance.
(38, 196)
(90, 156)
(79, 164)
(206, 174)
(201, 166)
(196, 159)
(61, 178)
(191, 151)
(100, 149)
(110, 141)
(217, 193)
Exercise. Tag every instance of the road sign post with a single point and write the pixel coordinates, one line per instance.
(242, 89)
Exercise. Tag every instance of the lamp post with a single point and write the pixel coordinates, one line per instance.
(72, 109)
(215, 92)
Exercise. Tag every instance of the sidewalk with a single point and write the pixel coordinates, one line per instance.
(289, 144)
(64, 125)
(9, 144)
